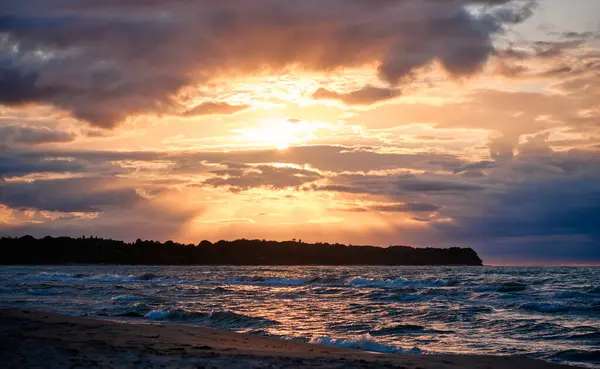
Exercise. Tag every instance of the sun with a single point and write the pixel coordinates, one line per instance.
(276, 133)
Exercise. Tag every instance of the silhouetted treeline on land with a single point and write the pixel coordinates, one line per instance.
(66, 250)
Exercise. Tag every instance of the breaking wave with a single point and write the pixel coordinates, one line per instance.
(358, 282)
(218, 319)
(365, 342)
(398, 282)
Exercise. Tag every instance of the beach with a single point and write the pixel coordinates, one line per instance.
(35, 339)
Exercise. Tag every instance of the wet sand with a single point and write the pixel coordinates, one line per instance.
(33, 339)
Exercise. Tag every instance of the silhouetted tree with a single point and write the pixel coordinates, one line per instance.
(92, 250)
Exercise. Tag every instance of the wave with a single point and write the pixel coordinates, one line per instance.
(327, 290)
(405, 329)
(357, 282)
(594, 289)
(218, 319)
(571, 295)
(398, 282)
(42, 292)
(558, 308)
(268, 281)
(506, 287)
(578, 355)
(61, 277)
(585, 336)
(126, 298)
(407, 298)
(544, 308)
(50, 276)
(365, 342)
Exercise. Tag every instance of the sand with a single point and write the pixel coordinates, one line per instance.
(33, 339)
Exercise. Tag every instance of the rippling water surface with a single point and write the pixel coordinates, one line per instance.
(547, 313)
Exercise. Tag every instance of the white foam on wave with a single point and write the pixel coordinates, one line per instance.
(158, 315)
(392, 283)
(51, 276)
(357, 281)
(365, 342)
(126, 298)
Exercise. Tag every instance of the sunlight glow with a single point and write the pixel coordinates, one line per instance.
(277, 133)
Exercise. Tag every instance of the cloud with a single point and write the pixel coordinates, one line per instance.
(106, 60)
(340, 158)
(578, 35)
(531, 203)
(508, 114)
(33, 135)
(411, 207)
(408, 188)
(262, 176)
(66, 195)
(214, 108)
(484, 164)
(336, 159)
(365, 96)
(17, 165)
(550, 219)
(427, 186)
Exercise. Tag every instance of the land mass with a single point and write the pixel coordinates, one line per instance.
(92, 250)
(33, 339)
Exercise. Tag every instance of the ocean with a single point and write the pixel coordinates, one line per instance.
(549, 313)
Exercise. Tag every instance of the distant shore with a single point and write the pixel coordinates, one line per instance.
(91, 250)
(45, 340)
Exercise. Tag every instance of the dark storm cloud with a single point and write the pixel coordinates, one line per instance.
(17, 165)
(365, 96)
(400, 186)
(33, 135)
(560, 206)
(65, 195)
(551, 219)
(106, 60)
(426, 185)
(544, 204)
(479, 165)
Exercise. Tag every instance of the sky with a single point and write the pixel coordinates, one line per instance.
(470, 123)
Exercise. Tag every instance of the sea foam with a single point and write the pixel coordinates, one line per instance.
(365, 342)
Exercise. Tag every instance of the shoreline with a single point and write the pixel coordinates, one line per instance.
(30, 338)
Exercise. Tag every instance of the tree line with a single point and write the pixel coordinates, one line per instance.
(93, 250)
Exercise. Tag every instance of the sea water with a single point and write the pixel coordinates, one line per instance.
(549, 313)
